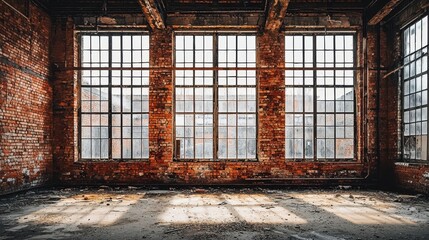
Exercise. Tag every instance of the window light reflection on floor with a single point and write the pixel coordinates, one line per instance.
(227, 208)
(355, 211)
(72, 213)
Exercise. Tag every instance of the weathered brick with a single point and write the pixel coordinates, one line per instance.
(25, 99)
(400, 175)
(39, 112)
(160, 168)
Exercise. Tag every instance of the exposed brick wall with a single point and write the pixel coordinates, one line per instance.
(26, 118)
(31, 149)
(161, 105)
(271, 115)
(370, 99)
(412, 177)
(366, 101)
(25, 99)
(65, 97)
(394, 173)
(388, 113)
(160, 168)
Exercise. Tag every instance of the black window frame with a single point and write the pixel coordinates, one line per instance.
(216, 69)
(407, 60)
(110, 67)
(314, 86)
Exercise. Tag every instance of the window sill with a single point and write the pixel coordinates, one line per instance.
(410, 164)
(111, 160)
(214, 160)
(323, 160)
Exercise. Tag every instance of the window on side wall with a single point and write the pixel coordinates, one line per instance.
(320, 97)
(114, 99)
(415, 91)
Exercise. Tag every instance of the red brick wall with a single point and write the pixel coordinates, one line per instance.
(64, 97)
(394, 173)
(412, 177)
(160, 168)
(370, 92)
(30, 149)
(388, 113)
(271, 114)
(25, 99)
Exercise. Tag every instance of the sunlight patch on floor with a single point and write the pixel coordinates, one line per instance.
(200, 214)
(195, 200)
(356, 211)
(227, 208)
(247, 199)
(268, 215)
(99, 211)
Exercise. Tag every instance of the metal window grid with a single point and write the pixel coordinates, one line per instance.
(320, 106)
(114, 104)
(414, 92)
(228, 105)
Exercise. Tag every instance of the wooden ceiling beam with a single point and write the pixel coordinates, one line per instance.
(153, 14)
(383, 12)
(276, 14)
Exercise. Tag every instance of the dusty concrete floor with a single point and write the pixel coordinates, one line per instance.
(134, 213)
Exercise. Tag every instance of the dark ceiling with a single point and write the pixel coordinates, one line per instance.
(59, 7)
(179, 8)
(67, 7)
(64, 7)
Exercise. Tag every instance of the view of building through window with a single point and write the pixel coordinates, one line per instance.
(415, 90)
(215, 111)
(216, 97)
(319, 96)
(114, 110)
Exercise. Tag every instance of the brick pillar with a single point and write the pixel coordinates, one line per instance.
(271, 140)
(370, 116)
(65, 98)
(161, 101)
(389, 111)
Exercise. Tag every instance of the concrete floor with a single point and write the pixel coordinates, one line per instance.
(134, 213)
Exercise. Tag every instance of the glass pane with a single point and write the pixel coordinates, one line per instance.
(329, 96)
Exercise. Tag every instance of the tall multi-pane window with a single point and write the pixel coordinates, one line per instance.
(415, 90)
(114, 106)
(319, 96)
(215, 97)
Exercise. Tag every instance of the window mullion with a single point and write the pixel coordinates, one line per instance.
(215, 98)
(402, 81)
(335, 99)
(325, 101)
(121, 97)
(303, 99)
(193, 95)
(236, 98)
(91, 87)
(427, 69)
(80, 101)
(314, 100)
(355, 92)
(109, 90)
(131, 101)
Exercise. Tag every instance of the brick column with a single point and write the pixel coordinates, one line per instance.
(161, 101)
(65, 98)
(271, 140)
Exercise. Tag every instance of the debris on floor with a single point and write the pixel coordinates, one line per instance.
(208, 213)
